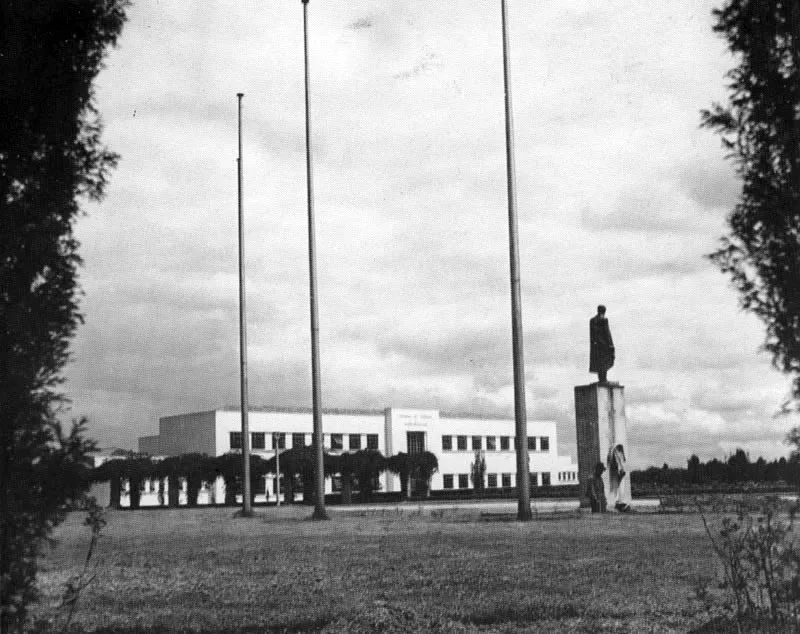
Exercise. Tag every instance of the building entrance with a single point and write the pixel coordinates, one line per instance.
(415, 441)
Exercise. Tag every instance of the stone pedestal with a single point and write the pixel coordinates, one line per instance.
(602, 427)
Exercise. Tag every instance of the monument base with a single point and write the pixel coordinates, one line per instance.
(602, 434)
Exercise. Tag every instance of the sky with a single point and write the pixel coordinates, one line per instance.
(621, 195)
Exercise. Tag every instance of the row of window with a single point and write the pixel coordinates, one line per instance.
(491, 443)
(334, 442)
(449, 480)
(567, 476)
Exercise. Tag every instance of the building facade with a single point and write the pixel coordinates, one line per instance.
(454, 439)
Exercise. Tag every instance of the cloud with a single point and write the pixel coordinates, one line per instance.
(620, 196)
(648, 394)
(428, 64)
(365, 22)
(714, 186)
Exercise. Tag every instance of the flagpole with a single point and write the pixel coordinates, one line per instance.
(277, 469)
(316, 391)
(246, 506)
(520, 413)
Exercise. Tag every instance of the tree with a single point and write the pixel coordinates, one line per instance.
(111, 471)
(418, 467)
(345, 465)
(136, 470)
(51, 157)
(369, 464)
(477, 471)
(760, 127)
(230, 468)
(289, 464)
(400, 465)
(170, 470)
(693, 469)
(198, 468)
(423, 465)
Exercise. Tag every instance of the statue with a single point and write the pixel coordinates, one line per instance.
(601, 346)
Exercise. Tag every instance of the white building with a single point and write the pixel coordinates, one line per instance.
(454, 439)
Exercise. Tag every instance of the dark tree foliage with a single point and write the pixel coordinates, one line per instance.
(415, 471)
(477, 471)
(369, 465)
(51, 156)
(346, 466)
(171, 470)
(229, 467)
(736, 469)
(760, 127)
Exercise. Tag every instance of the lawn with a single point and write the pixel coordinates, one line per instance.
(204, 570)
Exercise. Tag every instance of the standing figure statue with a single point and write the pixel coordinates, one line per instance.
(601, 346)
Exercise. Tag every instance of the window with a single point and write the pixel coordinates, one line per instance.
(415, 441)
(492, 478)
(257, 440)
(336, 484)
(506, 480)
(298, 441)
(534, 479)
(504, 444)
(259, 486)
(544, 443)
(463, 480)
(447, 443)
(236, 440)
(372, 442)
(447, 480)
(491, 443)
(546, 479)
(462, 443)
(355, 441)
(337, 442)
(477, 445)
(531, 443)
(279, 440)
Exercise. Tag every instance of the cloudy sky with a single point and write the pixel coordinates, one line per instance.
(620, 197)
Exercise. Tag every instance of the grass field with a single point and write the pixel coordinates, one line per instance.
(204, 570)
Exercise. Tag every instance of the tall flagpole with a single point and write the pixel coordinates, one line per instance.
(246, 506)
(319, 475)
(277, 469)
(520, 414)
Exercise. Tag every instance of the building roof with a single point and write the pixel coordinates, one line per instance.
(357, 412)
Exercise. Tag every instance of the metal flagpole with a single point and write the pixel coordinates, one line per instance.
(246, 506)
(319, 476)
(520, 414)
(277, 469)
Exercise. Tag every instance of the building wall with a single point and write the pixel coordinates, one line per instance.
(187, 433)
(150, 445)
(288, 423)
(477, 434)
(211, 433)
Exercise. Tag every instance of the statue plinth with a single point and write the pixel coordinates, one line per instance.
(601, 428)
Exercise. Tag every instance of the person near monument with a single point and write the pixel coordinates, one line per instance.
(601, 346)
(596, 490)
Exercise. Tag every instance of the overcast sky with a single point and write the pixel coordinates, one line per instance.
(621, 195)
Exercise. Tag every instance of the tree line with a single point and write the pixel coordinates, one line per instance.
(735, 469)
(358, 471)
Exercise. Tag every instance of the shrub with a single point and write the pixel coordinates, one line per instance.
(760, 562)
